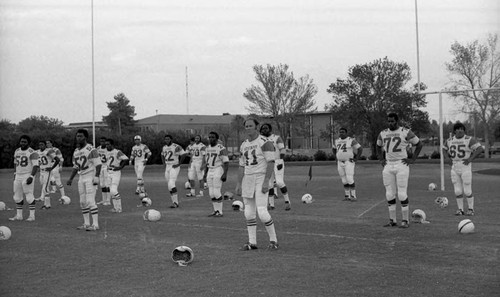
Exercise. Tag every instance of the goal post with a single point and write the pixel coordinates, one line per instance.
(441, 134)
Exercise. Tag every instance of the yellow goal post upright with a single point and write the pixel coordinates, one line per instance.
(441, 138)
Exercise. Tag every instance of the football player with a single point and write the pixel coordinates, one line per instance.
(139, 157)
(461, 150)
(196, 166)
(55, 174)
(394, 141)
(216, 172)
(279, 166)
(347, 151)
(105, 191)
(172, 155)
(116, 161)
(48, 161)
(255, 172)
(87, 163)
(26, 163)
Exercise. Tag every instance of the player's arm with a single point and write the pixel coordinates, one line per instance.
(225, 164)
(73, 173)
(413, 139)
(34, 160)
(147, 154)
(477, 149)
(123, 161)
(241, 173)
(182, 156)
(380, 151)
(268, 151)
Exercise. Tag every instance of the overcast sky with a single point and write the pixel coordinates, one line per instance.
(142, 49)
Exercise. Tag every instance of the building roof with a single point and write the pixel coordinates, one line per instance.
(183, 119)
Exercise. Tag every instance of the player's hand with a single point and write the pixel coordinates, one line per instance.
(352, 160)
(69, 182)
(466, 161)
(223, 177)
(95, 180)
(145, 161)
(383, 162)
(29, 180)
(176, 165)
(407, 161)
(265, 187)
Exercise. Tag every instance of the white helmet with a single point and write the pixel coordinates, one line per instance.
(151, 215)
(65, 200)
(5, 233)
(307, 198)
(182, 255)
(441, 201)
(432, 186)
(418, 216)
(146, 201)
(187, 185)
(2, 205)
(238, 205)
(228, 195)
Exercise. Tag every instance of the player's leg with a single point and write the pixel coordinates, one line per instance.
(56, 176)
(271, 194)
(456, 180)
(349, 175)
(115, 177)
(90, 191)
(83, 200)
(467, 185)
(139, 171)
(18, 199)
(264, 215)
(173, 173)
(247, 192)
(191, 178)
(217, 190)
(45, 180)
(402, 176)
(199, 174)
(343, 177)
(279, 176)
(389, 180)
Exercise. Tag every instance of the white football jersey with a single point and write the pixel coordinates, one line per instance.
(255, 154)
(115, 157)
(461, 148)
(102, 153)
(46, 158)
(86, 159)
(345, 148)
(25, 160)
(139, 152)
(197, 152)
(278, 143)
(216, 155)
(171, 153)
(394, 143)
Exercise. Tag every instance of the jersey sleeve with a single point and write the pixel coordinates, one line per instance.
(268, 151)
(412, 138)
(474, 144)
(121, 156)
(380, 141)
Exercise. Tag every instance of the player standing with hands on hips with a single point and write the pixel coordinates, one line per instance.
(26, 163)
(87, 163)
(394, 141)
(256, 168)
(462, 150)
(347, 151)
(139, 157)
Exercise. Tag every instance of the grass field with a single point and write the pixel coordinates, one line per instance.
(327, 248)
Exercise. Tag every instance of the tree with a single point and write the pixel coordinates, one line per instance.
(474, 66)
(237, 127)
(40, 123)
(281, 96)
(121, 114)
(363, 99)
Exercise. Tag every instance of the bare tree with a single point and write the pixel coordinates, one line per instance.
(281, 96)
(477, 66)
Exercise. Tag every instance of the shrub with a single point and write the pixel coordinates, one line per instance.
(320, 156)
(435, 155)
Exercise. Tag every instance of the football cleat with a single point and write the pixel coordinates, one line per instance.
(216, 214)
(353, 199)
(174, 205)
(346, 198)
(287, 205)
(391, 224)
(114, 210)
(16, 218)
(92, 228)
(459, 212)
(404, 224)
(470, 212)
(30, 219)
(273, 245)
(45, 207)
(269, 207)
(249, 246)
(189, 195)
(82, 227)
